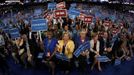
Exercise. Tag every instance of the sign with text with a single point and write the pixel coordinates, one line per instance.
(39, 25)
(6, 30)
(37, 11)
(73, 5)
(117, 62)
(88, 19)
(61, 5)
(40, 55)
(82, 16)
(103, 58)
(60, 13)
(51, 6)
(74, 11)
(72, 16)
(14, 33)
(82, 48)
(61, 57)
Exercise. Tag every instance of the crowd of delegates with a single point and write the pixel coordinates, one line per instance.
(115, 42)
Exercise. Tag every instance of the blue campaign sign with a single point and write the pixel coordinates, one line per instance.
(74, 11)
(117, 62)
(51, 6)
(81, 48)
(37, 11)
(72, 16)
(103, 58)
(14, 33)
(112, 17)
(73, 5)
(61, 57)
(6, 30)
(39, 25)
(1, 27)
(40, 55)
(98, 14)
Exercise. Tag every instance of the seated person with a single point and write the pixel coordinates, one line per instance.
(95, 48)
(105, 45)
(49, 50)
(66, 46)
(82, 38)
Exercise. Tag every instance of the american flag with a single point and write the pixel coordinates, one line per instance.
(81, 16)
(48, 15)
(61, 5)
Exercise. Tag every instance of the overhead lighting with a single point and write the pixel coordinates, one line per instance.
(131, 11)
(10, 1)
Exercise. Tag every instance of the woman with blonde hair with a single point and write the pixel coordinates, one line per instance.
(94, 48)
(66, 46)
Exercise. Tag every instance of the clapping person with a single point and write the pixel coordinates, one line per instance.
(66, 47)
(95, 49)
(49, 50)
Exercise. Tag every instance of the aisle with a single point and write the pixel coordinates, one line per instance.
(126, 68)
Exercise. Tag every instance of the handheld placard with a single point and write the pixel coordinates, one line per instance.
(103, 58)
(61, 57)
(81, 48)
(14, 33)
(117, 62)
(39, 25)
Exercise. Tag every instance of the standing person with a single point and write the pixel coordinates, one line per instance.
(66, 46)
(67, 29)
(95, 49)
(49, 50)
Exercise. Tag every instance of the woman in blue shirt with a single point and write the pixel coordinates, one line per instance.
(49, 50)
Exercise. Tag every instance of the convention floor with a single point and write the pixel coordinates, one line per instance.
(126, 68)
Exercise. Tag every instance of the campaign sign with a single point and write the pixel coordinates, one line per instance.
(88, 19)
(51, 6)
(39, 25)
(103, 58)
(71, 16)
(37, 11)
(74, 11)
(40, 55)
(81, 16)
(73, 5)
(14, 33)
(61, 5)
(81, 48)
(6, 30)
(1, 27)
(61, 57)
(60, 13)
(117, 62)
